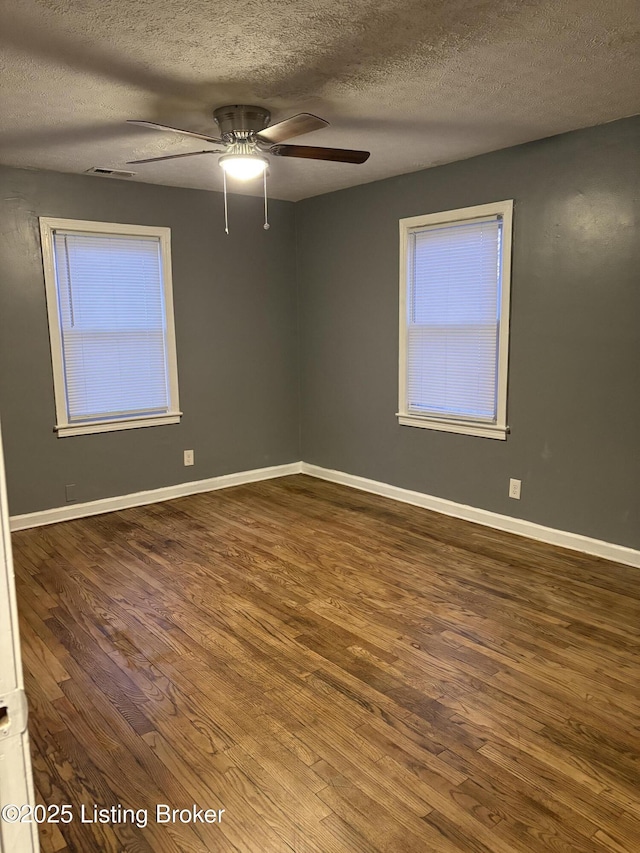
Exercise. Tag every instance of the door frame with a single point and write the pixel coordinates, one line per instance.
(16, 777)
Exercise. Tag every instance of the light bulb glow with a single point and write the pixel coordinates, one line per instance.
(243, 167)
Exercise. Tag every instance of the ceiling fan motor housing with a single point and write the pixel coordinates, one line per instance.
(241, 119)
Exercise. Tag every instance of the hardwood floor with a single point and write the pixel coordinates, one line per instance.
(339, 672)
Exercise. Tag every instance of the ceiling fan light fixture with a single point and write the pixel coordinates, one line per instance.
(245, 134)
(243, 167)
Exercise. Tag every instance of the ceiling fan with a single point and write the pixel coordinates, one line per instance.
(247, 136)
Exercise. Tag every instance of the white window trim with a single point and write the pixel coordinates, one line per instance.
(464, 426)
(63, 427)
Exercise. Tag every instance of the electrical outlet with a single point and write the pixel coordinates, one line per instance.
(514, 489)
(188, 457)
(70, 493)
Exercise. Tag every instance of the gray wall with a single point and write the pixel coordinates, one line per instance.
(235, 312)
(574, 381)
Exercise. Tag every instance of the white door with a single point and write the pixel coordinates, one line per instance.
(16, 782)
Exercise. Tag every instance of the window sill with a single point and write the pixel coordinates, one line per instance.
(461, 427)
(113, 426)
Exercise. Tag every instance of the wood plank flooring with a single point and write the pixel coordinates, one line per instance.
(338, 672)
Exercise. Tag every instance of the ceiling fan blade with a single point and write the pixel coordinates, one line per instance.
(174, 156)
(294, 126)
(311, 152)
(155, 126)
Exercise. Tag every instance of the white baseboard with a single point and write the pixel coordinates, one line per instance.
(574, 541)
(81, 510)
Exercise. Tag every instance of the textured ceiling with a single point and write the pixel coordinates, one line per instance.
(417, 82)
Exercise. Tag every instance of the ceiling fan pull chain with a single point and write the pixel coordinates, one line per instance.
(266, 225)
(226, 212)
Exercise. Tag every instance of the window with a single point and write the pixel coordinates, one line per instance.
(110, 306)
(454, 320)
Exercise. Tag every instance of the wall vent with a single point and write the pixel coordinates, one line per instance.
(114, 173)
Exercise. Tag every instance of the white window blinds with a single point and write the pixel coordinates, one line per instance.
(453, 319)
(113, 325)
